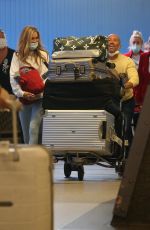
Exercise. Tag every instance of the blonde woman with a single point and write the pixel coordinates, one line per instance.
(30, 53)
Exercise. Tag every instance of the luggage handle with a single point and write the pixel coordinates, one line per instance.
(15, 136)
(102, 130)
(14, 105)
(70, 66)
(58, 70)
(4, 145)
(77, 70)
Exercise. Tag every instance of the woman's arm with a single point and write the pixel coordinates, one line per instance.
(14, 73)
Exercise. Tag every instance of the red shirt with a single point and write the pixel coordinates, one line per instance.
(130, 53)
(144, 77)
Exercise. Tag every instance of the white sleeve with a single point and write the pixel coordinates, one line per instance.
(45, 69)
(14, 72)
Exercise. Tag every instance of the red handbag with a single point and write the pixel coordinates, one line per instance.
(30, 81)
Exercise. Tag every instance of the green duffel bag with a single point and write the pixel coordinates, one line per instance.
(81, 47)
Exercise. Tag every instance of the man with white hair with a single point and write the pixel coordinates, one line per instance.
(126, 67)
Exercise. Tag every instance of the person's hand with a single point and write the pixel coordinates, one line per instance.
(30, 96)
(4, 99)
(7, 101)
(128, 85)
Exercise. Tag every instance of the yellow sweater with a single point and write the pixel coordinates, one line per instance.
(126, 65)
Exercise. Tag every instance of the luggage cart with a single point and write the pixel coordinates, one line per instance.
(75, 138)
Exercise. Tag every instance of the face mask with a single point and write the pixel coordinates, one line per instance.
(135, 48)
(33, 45)
(113, 54)
(3, 43)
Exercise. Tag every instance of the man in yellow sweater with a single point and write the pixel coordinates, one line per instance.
(124, 66)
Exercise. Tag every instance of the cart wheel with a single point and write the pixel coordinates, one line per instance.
(67, 169)
(80, 172)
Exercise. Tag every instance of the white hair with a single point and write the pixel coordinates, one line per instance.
(136, 34)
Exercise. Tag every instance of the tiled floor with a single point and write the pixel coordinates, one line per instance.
(86, 204)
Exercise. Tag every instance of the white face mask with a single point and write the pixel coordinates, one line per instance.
(113, 54)
(3, 43)
(33, 45)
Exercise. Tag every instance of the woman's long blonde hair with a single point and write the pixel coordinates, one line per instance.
(23, 50)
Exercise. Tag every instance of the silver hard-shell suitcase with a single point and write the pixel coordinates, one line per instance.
(78, 130)
(26, 196)
(79, 69)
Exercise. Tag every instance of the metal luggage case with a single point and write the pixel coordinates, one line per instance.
(78, 130)
(26, 193)
(79, 69)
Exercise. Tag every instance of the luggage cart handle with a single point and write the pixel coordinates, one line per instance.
(102, 130)
(15, 133)
(74, 68)
(14, 105)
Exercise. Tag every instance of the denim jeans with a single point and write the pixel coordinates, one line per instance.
(128, 110)
(113, 107)
(30, 118)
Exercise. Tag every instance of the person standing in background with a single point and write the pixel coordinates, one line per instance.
(135, 47)
(144, 78)
(30, 53)
(124, 65)
(135, 51)
(6, 54)
(146, 46)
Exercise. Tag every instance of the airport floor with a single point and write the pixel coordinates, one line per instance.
(87, 204)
